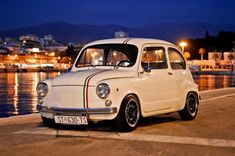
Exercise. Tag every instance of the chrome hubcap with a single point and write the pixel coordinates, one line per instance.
(192, 104)
(132, 113)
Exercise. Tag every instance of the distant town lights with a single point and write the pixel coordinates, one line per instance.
(35, 50)
(52, 54)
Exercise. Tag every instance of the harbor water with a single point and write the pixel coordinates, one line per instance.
(18, 95)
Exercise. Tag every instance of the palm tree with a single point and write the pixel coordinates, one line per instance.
(202, 51)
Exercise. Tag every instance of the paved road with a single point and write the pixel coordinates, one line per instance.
(211, 133)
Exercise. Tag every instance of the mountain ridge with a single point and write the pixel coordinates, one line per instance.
(84, 33)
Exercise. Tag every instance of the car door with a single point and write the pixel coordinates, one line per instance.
(157, 90)
(179, 73)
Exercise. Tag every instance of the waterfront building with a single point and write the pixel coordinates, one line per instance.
(229, 56)
(31, 54)
(216, 61)
(32, 61)
(217, 56)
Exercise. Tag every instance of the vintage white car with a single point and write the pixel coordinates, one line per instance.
(120, 80)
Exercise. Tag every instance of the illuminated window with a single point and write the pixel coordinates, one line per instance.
(155, 57)
(176, 59)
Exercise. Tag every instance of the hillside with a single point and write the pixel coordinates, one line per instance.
(83, 33)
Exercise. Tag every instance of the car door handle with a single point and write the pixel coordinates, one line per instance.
(170, 73)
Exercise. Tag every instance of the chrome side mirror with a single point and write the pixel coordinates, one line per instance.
(147, 69)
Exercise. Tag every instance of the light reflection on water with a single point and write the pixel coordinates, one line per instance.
(208, 82)
(18, 90)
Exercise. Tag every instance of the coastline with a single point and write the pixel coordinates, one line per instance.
(194, 72)
(31, 70)
(213, 72)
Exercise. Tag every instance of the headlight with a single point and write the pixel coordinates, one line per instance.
(42, 89)
(102, 90)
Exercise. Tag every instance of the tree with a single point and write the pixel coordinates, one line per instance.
(187, 55)
(202, 51)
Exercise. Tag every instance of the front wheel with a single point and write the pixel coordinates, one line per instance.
(191, 107)
(129, 114)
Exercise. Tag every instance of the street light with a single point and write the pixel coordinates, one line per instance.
(183, 44)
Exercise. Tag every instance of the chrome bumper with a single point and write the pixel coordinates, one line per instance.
(75, 111)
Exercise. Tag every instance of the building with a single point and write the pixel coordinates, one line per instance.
(4, 50)
(121, 34)
(216, 61)
(10, 40)
(217, 56)
(229, 56)
(29, 37)
(59, 48)
(48, 37)
(32, 61)
(30, 41)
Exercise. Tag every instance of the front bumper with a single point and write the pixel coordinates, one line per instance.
(74, 111)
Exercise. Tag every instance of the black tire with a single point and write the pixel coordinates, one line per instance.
(48, 122)
(191, 107)
(128, 115)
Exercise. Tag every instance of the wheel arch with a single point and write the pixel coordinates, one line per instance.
(186, 95)
(137, 97)
(189, 112)
(194, 92)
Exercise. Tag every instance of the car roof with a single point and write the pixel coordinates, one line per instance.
(134, 41)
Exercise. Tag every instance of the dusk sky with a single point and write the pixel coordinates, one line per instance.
(23, 13)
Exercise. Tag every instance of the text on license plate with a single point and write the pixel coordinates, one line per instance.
(71, 120)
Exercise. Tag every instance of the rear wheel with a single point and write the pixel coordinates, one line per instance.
(129, 114)
(191, 107)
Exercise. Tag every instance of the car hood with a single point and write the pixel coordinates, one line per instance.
(91, 76)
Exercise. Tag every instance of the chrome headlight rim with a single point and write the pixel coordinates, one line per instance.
(42, 89)
(103, 90)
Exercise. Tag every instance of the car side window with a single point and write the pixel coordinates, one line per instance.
(155, 57)
(177, 61)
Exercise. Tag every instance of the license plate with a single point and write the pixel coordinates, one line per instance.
(71, 120)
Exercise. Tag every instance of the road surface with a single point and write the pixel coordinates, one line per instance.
(211, 133)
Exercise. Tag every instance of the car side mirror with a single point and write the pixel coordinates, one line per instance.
(147, 69)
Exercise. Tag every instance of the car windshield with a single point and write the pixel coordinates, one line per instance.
(123, 55)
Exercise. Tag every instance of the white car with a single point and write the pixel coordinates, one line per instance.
(120, 80)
